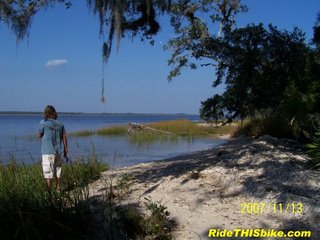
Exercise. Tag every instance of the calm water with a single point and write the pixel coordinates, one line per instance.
(17, 139)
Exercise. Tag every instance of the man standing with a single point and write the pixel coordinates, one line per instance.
(53, 135)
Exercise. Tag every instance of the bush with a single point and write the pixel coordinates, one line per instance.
(314, 150)
(154, 226)
(276, 126)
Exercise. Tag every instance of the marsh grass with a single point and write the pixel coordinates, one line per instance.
(106, 131)
(187, 128)
(142, 138)
(109, 131)
(181, 128)
(29, 211)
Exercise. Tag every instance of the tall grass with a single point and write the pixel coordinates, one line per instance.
(106, 131)
(144, 138)
(178, 128)
(29, 211)
(190, 129)
(261, 125)
(115, 130)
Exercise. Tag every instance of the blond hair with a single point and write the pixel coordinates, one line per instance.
(50, 112)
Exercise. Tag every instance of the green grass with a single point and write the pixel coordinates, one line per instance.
(27, 208)
(29, 211)
(154, 225)
(142, 138)
(107, 131)
(182, 128)
(190, 129)
(179, 127)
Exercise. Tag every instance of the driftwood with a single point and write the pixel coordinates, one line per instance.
(135, 127)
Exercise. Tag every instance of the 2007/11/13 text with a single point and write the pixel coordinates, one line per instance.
(265, 208)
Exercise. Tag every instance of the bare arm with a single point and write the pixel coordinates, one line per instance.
(65, 144)
(39, 135)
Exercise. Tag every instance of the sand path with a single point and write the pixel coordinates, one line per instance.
(212, 188)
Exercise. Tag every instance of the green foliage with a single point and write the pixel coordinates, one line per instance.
(18, 14)
(316, 31)
(179, 127)
(138, 17)
(212, 109)
(194, 42)
(107, 131)
(314, 150)
(145, 138)
(126, 221)
(153, 226)
(186, 128)
(157, 224)
(82, 172)
(123, 184)
(264, 124)
(27, 208)
(254, 72)
(283, 88)
(133, 222)
(115, 130)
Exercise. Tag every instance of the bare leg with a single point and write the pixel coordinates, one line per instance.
(58, 184)
(49, 183)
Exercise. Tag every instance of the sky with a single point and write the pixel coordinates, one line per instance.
(60, 64)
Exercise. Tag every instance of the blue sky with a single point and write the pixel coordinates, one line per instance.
(60, 63)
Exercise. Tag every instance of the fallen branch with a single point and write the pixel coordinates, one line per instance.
(134, 127)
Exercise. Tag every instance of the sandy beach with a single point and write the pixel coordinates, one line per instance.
(217, 188)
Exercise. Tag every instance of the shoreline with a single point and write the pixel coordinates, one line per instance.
(210, 188)
(173, 156)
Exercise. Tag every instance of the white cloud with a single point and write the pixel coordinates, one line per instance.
(56, 63)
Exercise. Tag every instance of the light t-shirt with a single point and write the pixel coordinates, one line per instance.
(52, 131)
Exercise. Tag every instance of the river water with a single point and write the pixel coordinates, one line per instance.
(18, 141)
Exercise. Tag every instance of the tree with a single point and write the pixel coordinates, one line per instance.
(117, 17)
(199, 27)
(316, 31)
(135, 18)
(257, 65)
(270, 73)
(18, 14)
(121, 17)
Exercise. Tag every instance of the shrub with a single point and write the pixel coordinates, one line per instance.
(314, 150)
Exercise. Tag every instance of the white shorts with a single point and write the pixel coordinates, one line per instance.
(51, 166)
